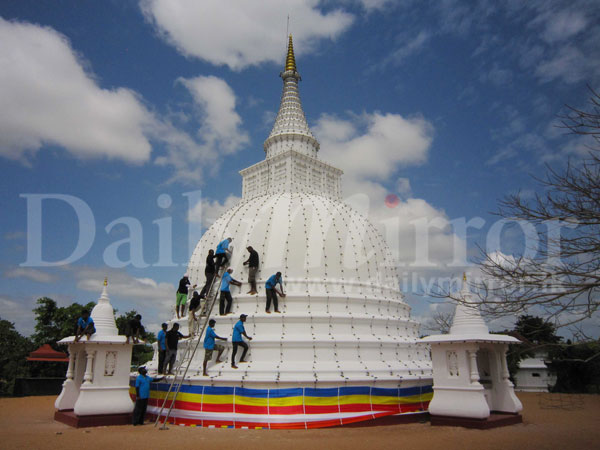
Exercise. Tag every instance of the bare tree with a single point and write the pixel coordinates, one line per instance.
(442, 321)
(563, 277)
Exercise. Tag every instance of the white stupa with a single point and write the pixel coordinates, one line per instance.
(470, 374)
(96, 389)
(344, 343)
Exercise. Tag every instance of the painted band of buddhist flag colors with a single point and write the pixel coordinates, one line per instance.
(285, 408)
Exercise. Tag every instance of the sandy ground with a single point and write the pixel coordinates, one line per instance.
(551, 421)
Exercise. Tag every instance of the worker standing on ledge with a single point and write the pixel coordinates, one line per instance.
(271, 289)
(236, 339)
(252, 263)
(226, 280)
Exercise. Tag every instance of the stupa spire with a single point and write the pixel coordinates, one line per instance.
(467, 318)
(290, 60)
(291, 163)
(290, 130)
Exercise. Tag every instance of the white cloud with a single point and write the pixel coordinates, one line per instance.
(239, 33)
(409, 48)
(497, 76)
(48, 98)
(206, 211)
(568, 63)
(370, 148)
(563, 45)
(373, 146)
(563, 25)
(19, 312)
(31, 274)
(221, 123)
(370, 5)
(220, 131)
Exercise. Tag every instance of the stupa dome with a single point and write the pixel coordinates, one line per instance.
(343, 317)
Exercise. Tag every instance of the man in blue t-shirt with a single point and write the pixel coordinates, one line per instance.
(221, 253)
(142, 394)
(85, 325)
(271, 289)
(236, 339)
(210, 346)
(162, 347)
(226, 280)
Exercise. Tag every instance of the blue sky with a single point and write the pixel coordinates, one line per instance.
(149, 109)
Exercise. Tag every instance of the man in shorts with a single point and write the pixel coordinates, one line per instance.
(192, 319)
(210, 346)
(252, 263)
(182, 295)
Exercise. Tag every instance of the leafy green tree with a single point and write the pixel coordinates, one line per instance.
(141, 353)
(13, 351)
(537, 330)
(54, 323)
(577, 367)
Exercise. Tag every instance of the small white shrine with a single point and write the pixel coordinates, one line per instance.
(470, 374)
(96, 391)
(533, 375)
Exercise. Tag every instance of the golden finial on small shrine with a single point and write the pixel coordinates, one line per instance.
(105, 281)
(464, 276)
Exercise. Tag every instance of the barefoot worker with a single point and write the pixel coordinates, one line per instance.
(252, 263)
(226, 299)
(210, 346)
(238, 332)
(271, 289)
